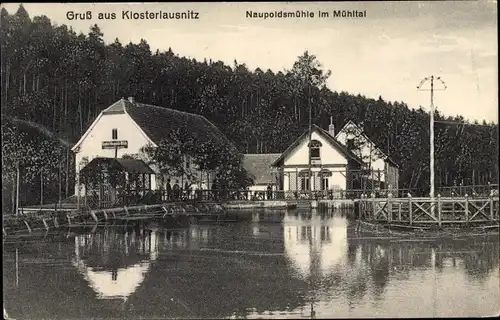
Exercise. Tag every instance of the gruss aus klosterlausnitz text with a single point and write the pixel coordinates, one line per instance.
(134, 15)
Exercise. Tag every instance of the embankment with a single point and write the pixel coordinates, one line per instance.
(36, 220)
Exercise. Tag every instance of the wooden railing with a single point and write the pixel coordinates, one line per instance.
(440, 210)
(470, 190)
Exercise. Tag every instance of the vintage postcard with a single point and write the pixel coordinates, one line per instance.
(250, 160)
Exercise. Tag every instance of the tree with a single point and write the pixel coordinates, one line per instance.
(167, 157)
(308, 70)
(61, 80)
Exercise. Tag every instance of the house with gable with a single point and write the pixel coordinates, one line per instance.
(382, 171)
(127, 126)
(335, 164)
(332, 166)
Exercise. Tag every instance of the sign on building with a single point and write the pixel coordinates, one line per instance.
(115, 144)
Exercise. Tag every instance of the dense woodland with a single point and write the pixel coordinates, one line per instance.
(56, 81)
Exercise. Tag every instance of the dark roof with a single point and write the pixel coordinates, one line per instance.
(337, 145)
(259, 166)
(157, 121)
(134, 166)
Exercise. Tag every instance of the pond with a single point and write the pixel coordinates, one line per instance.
(272, 264)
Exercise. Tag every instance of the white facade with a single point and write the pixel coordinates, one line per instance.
(90, 145)
(330, 159)
(116, 124)
(367, 151)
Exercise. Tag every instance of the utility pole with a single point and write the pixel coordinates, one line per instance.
(310, 135)
(17, 188)
(431, 127)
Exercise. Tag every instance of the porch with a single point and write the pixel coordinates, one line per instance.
(109, 182)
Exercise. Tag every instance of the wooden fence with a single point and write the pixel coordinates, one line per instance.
(427, 211)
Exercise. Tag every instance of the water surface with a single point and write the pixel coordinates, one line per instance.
(270, 265)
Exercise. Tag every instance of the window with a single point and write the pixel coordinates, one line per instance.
(114, 134)
(350, 144)
(315, 153)
(314, 147)
(305, 183)
(188, 164)
(324, 183)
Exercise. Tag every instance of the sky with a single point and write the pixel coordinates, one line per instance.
(387, 53)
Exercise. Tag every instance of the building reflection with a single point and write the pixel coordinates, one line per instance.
(334, 260)
(229, 270)
(316, 245)
(242, 269)
(115, 263)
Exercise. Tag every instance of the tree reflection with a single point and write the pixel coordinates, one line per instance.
(388, 258)
(233, 273)
(333, 260)
(234, 270)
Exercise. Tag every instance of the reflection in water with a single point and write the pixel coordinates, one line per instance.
(271, 265)
(315, 244)
(119, 261)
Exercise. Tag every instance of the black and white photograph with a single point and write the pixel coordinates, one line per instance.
(250, 160)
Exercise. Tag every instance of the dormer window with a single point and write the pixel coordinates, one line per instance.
(350, 144)
(314, 147)
(114, 134)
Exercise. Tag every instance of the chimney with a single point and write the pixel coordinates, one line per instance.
(331, 128)
(131, 99)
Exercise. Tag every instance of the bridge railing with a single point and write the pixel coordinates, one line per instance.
(157, 196)
(111, 198)
(440, 210)
(471, 191)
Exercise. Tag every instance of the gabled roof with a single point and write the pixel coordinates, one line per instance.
(337, 145)
(156, 122)
(134, 166)
(360, 132)
(259, 166)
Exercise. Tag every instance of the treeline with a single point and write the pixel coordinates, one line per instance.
(62, 80)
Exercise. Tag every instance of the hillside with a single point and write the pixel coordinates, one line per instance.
(62, 80)
(43, 160)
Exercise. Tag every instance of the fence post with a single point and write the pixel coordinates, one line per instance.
(99, 197)
(389, 207)
(453, 205)
(400, 205)
(439, 209)
(410, 209)
(492, 212)
(372, 211)
(466, 208)
(360, 207)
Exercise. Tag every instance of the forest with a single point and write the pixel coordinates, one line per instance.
(54, 82)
